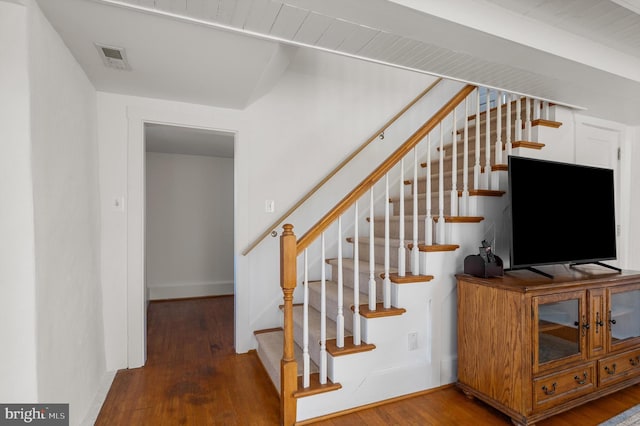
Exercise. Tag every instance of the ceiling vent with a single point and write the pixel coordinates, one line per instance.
(113, 57)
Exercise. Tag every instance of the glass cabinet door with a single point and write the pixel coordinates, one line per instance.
(624, 316)
(561, 326)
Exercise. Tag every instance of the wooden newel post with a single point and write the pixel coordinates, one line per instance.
(288, 365)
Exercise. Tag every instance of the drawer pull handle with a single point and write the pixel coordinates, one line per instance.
(548, 391)
(635, 361)
(583, 381)
(610, 371)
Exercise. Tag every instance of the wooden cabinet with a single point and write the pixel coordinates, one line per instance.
(533, 346)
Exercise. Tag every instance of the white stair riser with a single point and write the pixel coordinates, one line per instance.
(332, 306)
(314, 335)
(379, 254)
(347, 279)
(422, 207)
(272, 371)
(394, 227)
(435, 184)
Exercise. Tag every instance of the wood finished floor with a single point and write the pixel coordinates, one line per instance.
(194, 377)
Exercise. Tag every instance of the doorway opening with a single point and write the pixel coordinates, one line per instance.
(188, 212)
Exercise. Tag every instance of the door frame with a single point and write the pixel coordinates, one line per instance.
(136, 294)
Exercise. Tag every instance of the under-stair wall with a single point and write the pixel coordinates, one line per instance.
(266, 256)
(376, 287)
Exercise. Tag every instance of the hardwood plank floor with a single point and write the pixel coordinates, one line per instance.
(194, 377)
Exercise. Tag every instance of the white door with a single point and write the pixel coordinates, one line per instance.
(598, 145)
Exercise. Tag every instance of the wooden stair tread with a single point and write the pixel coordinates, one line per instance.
(380, 311)
(460, 219)
(546, 123)
(434, 248)
(527, 144)
(315, 387)
(409, 278)
(348, 348)
(447, 218)
(472, 192)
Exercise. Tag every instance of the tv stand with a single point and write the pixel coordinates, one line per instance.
(597, 263)
(532, 347)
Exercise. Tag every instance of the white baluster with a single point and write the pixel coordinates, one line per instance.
(508, 145)
(401, 249)
(545, 110)
(464, 208)
(386, 283)
(372, 260)
(306, 363)
(498, 155)
(441, 227)
(518, 118)
(323, 316)
(536, 109)
(487, 150)
(477, 169)
(454, 167)
(340, 314)
(356, 279)
(428, 220)
(415, 253)
(527, 123)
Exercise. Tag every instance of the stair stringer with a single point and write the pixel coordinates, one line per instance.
(391, 369)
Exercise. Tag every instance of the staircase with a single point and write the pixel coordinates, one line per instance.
(377, 320)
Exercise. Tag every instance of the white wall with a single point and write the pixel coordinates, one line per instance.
(189, 233)
(120, 120)
(631, 158)
(17, 262)
(51, 298)
(70, 362)
(286, 142)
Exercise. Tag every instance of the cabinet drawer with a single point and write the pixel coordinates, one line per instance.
(618, 367)
(555, 388)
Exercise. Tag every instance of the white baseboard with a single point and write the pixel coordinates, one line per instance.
(184, 290)
(98, 400)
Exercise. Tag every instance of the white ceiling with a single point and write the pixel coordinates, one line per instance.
(226, 53)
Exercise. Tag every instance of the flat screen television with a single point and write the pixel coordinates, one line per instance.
(560, 213)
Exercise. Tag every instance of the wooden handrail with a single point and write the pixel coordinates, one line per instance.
(379, 173)
(338, 168)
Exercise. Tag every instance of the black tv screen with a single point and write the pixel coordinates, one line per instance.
(560, 213)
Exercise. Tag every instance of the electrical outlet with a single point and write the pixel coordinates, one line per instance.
(413, 341)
